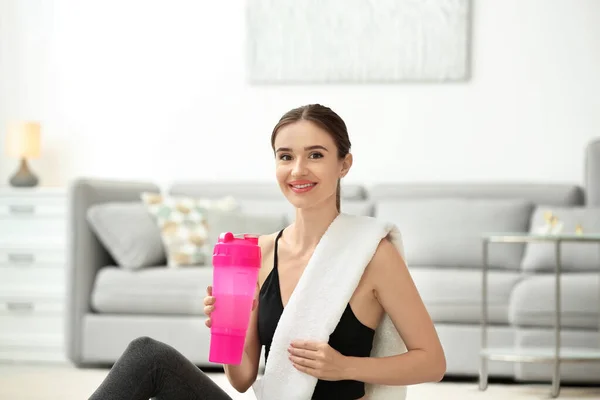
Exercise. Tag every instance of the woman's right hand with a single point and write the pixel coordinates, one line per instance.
(209, 305)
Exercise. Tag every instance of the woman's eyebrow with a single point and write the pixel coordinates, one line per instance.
(315, 147)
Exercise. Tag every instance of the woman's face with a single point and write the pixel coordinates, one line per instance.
(307, 164)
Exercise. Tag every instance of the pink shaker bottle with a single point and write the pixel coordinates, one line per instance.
(236, 262)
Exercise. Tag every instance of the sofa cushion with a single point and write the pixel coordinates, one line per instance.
(574, 256)
(532, 301)
(128, 233)
(454, 295)
(183, 225)
(448, 232)
(157, 290)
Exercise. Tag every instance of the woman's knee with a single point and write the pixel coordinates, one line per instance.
(147, 351)
(145, 345)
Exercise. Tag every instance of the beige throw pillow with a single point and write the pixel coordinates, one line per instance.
(182, 221)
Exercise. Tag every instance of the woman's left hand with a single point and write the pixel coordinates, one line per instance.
(318, 359)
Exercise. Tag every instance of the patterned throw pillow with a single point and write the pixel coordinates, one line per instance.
(183, 224)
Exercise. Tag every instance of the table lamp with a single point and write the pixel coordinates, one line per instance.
(23, 142)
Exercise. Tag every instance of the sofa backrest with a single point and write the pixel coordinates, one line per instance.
(592, 173)
(262, 198)
(253, 190)
(551, 194)
(442, 224)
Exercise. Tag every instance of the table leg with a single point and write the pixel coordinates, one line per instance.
(557, 324)
(483, 361)
(483, 373)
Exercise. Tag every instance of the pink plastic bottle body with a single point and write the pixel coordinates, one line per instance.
(236, 262)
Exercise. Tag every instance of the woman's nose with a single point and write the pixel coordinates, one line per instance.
(299, 168)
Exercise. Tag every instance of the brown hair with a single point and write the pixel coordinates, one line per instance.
(325, 118)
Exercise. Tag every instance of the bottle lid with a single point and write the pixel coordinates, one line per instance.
(237, 250)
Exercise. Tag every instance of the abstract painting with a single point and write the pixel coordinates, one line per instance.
(357, 41)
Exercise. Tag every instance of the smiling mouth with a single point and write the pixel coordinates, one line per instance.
(303, 187)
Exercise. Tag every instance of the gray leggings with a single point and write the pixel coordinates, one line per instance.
(152, 369)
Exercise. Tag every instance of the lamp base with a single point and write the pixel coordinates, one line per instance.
(24, 177)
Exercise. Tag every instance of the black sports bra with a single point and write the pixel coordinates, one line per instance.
(350, 337)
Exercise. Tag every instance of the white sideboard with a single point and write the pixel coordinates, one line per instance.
(33, 235)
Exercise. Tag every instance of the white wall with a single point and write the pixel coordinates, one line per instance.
(128, 79)
(25, 79)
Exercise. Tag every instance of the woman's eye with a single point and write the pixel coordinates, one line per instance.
(316, 155)
(285, 157)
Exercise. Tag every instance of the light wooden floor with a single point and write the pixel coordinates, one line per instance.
(38, 382)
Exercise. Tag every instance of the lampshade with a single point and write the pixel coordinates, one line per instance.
(23, 140)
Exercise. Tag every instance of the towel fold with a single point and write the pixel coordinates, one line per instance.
(318, 301)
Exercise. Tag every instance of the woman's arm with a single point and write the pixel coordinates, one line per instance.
(396, 292)
(243, 376)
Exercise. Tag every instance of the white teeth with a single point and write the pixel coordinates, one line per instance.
(304, 186)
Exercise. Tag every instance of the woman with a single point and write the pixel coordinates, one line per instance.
(312, 152)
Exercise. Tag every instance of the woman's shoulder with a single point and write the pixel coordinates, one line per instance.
(387, 259)
(267, 241)
(267, 248)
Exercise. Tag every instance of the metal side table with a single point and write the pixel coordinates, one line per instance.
(555, 355)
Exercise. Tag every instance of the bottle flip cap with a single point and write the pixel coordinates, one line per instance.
(237, 250)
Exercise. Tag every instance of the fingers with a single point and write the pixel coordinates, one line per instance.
(304, 362)
(209, 302)
(209, 299)
(306, 370)
(209, 307)
(306, 344)
(208, 310)
(303, 353)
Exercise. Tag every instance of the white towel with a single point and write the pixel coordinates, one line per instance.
(317, 304)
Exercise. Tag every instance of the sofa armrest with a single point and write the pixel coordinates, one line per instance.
(86, 253)
(592, 173)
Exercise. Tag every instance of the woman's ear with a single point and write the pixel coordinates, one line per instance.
(346, 164)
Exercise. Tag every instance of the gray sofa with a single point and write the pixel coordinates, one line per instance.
(441, 226)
